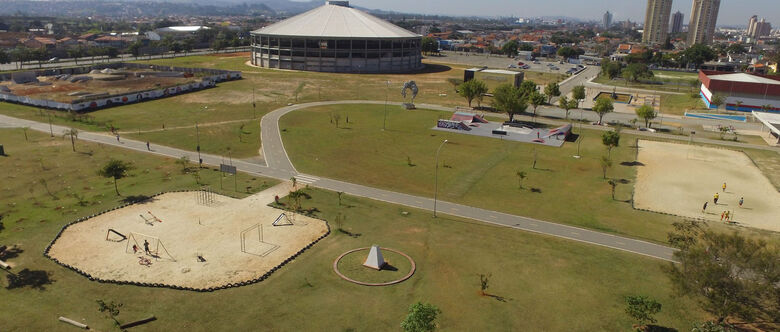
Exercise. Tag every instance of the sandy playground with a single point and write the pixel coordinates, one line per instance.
(679, 178)
(188, 229)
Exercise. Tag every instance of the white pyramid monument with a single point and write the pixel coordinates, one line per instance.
(375, 259)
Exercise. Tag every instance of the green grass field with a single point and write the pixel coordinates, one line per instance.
(678, 104)
(669, 81)
(537, 283)
(475, 171)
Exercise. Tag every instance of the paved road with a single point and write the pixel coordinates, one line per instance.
(282, 168)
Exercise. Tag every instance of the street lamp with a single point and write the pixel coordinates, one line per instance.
(197, 135)
(387, 92)
(436, 177)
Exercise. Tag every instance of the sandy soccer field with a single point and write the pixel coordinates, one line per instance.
(678, 179)
(188, 229)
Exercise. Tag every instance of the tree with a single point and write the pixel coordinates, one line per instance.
(642, 309)
(110, 309)
(567, 52)
(520, 177)
(717, 100)
(536, 99)
(421, 318)
(566, 104)
(484, 283)
(578, 94)
(698, 54)
(610, 139)
(731, 276)
(613, 184)
(429, 45)
(646, 113)
(552, 90)
(509, 48)
(135, 48)
(610, 68)
(525, 47)
(636, 71)
(603, 106)
(509, 99)
(73, 133)
(339, 193)
(4, 57)
(527, 87)
(115, 169)
(472, 89)
(183, 161)
(606, 163)
(738, 104)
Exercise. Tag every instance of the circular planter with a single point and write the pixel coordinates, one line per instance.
(407, 276)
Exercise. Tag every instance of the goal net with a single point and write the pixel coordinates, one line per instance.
(252, 242)
(147, 245)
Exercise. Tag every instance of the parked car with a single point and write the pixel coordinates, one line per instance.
(536, 62)
(54, 59)
(511, 66)
(521, 63)
(525, 66)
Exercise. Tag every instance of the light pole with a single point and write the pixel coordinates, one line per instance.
(387, 93)
(436, 178)
(51, 129)
(197, 135)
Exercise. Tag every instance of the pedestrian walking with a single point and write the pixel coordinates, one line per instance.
(715, 198)
(117, 138)
(147, 146)
(724, 187)
(741, 200)
(704, 208)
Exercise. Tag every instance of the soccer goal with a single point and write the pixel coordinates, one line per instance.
(252, 242)
(141, 242)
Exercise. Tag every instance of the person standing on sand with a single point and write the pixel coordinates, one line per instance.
(146, 248)
(741, 200)
(724, 187)
(715, 198)
(727, 216)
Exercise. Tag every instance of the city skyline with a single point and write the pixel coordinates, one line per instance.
(733, 13)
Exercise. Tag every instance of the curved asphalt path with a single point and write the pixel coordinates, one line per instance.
(279, 166)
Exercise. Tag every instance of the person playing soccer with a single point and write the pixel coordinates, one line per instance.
(146, 247)
(741, 200)
(715, 198)
(724, 187)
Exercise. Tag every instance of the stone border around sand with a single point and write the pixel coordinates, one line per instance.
(409, 275)
(161, 285)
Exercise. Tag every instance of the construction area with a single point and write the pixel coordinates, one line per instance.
(196, 240)
(98, 86)
(678, 179)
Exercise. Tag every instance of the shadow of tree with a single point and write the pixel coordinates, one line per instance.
(657, 328)
(536, 190)
(348, 233)
(631, 163)
(137, 199)
(8, 253)
(498, 297)
(29, 278)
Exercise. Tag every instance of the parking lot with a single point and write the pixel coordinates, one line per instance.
(501, 62)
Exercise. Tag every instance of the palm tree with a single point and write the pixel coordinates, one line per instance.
(738, 104)
(115, 169)
(73, 133)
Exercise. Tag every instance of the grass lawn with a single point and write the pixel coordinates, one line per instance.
(537, 283)
(670, 81)
(475, 171)
(678, 104)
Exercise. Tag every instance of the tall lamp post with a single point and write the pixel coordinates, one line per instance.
(387, 92)
(197, 135)
(436, 178)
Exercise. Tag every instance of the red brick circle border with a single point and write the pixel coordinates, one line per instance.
(409, 275)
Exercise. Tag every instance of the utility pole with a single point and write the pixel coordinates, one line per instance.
(387, 93)
(51, 130)
(436, 177)
(254, 106)
(197, 135)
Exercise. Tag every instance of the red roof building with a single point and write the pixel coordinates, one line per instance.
(752, 92)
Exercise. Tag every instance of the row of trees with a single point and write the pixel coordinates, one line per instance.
(514, 100)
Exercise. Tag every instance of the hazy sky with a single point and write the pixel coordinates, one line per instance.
(732, 12)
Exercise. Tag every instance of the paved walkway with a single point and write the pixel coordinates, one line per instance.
(280, 167)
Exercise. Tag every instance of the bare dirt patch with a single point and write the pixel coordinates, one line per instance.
(678, 179)
(188, 230)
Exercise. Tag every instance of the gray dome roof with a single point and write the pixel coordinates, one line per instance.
(336, 21)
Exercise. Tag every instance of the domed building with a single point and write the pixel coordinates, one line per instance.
(337, 38)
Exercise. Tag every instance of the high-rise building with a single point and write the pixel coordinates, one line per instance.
(704, 16)
(677, 22)
(761, 29)
(656, 21)
(607, 20)
(752, 25)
